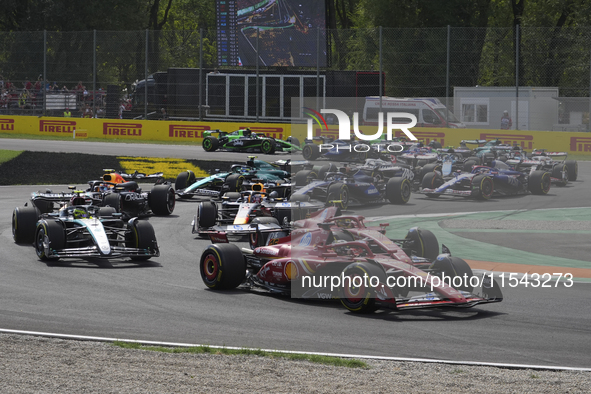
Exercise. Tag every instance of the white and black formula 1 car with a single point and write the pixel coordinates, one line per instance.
(84, 231)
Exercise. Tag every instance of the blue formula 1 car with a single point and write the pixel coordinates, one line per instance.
(187, 185)
(353, 186)
(483, 182)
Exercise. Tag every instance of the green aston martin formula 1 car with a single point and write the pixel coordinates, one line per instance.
(244, 140)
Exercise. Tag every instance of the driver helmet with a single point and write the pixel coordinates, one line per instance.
(80, 213)
(247, 132)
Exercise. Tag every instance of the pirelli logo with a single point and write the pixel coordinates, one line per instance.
(57, 126)
(7, 124)
(275, 132)
(525, 141)
(426, 136)
(186, 131)
(122, 129)
(580, 144)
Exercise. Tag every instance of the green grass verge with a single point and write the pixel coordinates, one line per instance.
(6, 155)
(327, 360)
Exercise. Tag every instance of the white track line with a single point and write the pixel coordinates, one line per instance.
(400, 359)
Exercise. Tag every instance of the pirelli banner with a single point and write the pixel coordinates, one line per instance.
(157, 130)
(130, 130)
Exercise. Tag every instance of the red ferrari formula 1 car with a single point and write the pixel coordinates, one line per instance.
(338, 257)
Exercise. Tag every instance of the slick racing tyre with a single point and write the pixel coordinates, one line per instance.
(113, 200)
(106, 212)
(475, 159)
(573, 170)
(184, 180)
(24, 220)
(539, 182)
(421, 243)
(338, 192)
(357, 299)
(432, 180)
(435, 144)
(222, 266)
(293, 141)
(162, 200)
(268, 146)
(207, 214)
(141, 235)
(560, 171)
(468, 164)
(302, 177)
(210, 144)
(49, 235)
(310, 151)
(325, 169)
(398, 190)
(430, 167)
(484, 185)
(233, 183)
(453, 267)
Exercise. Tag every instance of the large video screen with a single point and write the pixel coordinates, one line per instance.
(286, 33)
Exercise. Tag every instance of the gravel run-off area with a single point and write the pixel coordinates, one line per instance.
(32, 364)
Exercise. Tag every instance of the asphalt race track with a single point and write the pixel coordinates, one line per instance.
(165, 299)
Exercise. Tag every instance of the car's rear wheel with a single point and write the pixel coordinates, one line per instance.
(222, 266)
(485, 186)
(268, 146)
(141, 236)
(162, 200)
(398, 190)
(24, 220)
(354, 295)
(539, 182)
(113, 200)
(210, 144)
(52, 234)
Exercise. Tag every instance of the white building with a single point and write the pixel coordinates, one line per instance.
(482, 107)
